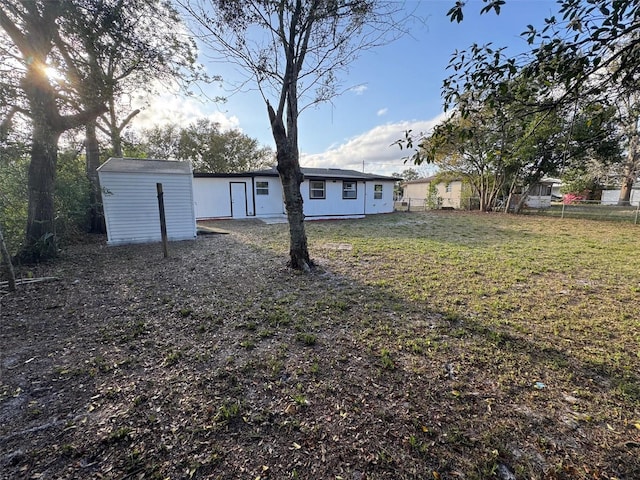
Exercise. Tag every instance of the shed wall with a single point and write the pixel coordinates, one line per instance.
(131, 207)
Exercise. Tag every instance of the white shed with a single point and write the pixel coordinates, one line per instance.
(130, 199)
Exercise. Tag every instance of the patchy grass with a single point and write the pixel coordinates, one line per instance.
(426, 345)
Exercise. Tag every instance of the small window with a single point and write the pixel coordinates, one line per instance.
(262, 188)
(316, 189)
(448, 188)
(349, 190)
(377, 191)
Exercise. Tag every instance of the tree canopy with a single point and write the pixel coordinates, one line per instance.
(63, 61)
(206, 146)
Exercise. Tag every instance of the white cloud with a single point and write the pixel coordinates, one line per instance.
(374, 148)
(169, 108)
(359, 89)
(382, 111)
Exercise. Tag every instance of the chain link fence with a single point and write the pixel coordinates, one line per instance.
(593, 209)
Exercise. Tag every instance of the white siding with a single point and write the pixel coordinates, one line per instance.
(131, 207)
(611, 197)
(272, 204)
(212, 196)
(538, 201)
(333, 205)
(382, 205)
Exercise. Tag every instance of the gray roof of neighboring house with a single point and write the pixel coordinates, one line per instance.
(329, 173)
(145, 165)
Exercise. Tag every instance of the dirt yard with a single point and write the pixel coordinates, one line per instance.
(221, 363)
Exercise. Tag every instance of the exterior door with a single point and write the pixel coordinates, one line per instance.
(238, 199)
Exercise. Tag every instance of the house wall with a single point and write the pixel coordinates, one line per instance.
(212, 196)
(382, 205)
(333, 204)
(417, 191)
(420, 192)
(271, 204)
(538, 201)
(131, 207)
(611, 197)
(451, 199)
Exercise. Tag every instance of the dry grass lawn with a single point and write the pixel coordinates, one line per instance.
(425, 346)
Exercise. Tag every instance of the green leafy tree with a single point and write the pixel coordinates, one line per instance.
(584, 50)
(68, 60)
(207, 147)
(212, 150)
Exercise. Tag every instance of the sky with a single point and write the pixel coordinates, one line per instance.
(387, 90)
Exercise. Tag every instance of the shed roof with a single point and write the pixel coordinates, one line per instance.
(145, 165)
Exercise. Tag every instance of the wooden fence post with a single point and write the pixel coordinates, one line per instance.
(163, 222)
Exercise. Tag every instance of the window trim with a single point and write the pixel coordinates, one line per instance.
(262, 189)
(378, 192)
(311, 189)
(345, 191)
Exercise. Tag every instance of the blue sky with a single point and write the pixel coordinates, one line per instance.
(389, 89)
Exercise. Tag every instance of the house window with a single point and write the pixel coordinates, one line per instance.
(349, 190)
(448, 188)
(316, 189)
(262, 188)
(377, 191)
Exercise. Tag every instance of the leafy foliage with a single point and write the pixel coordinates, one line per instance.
(71, 199)
(587, 48)
(206, 146)
(13, 201)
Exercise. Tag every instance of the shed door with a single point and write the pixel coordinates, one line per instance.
(238, 199)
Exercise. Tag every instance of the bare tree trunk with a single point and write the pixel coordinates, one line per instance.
(630, 171)
(291, 177)
(96, 212)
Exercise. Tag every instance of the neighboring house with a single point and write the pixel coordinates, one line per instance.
(430, 193)
(326, 192)
(130, 199)
(542, 193)
(611, 197)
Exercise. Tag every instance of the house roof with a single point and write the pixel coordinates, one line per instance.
(430, 179)
(420, 180)
(145, 165)
(325, 173)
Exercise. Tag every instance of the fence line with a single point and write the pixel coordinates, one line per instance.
(406, 204)
(594, 209)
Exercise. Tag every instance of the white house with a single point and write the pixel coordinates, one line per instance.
(543, 192)
(327, 193)
(611, 197)
(130, 199)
